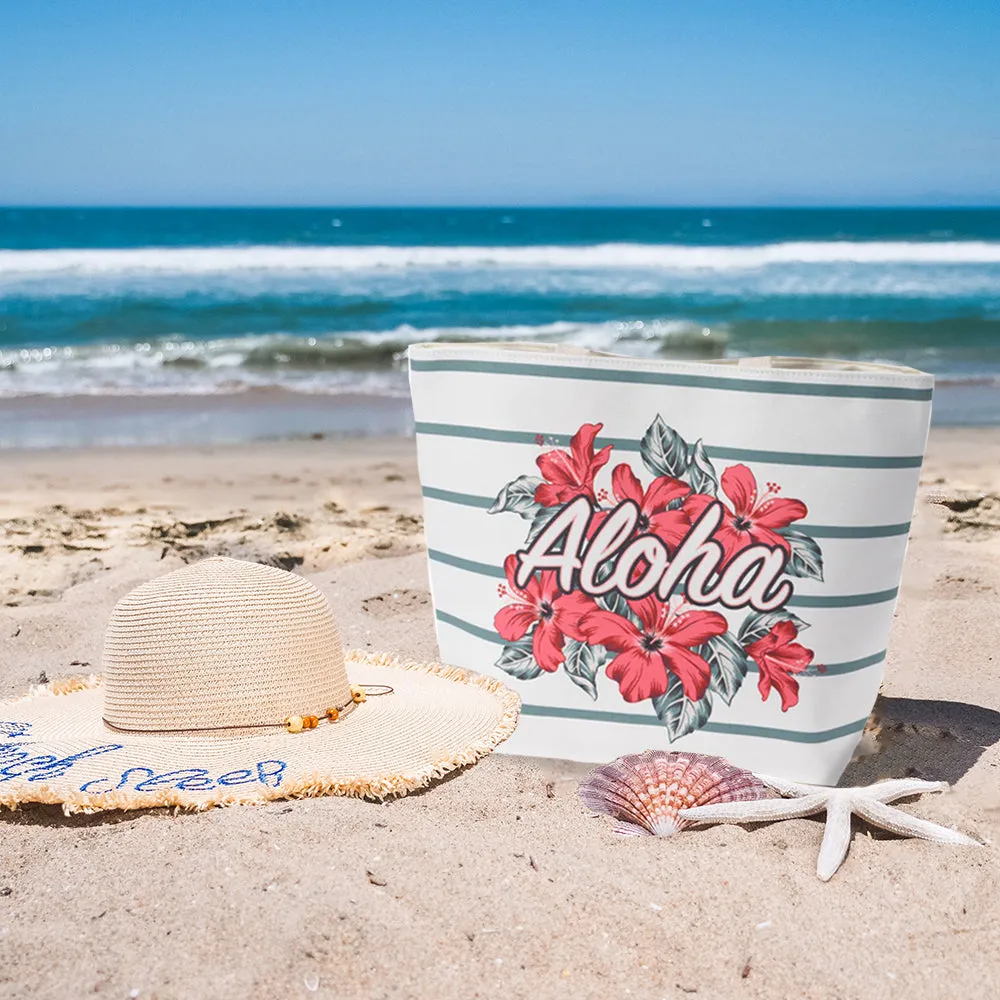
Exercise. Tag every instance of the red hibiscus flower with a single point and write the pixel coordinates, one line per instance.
(570, 474)
(778, 657)
(752, 519)
(654, 518)
(541, 604)
(661, 643)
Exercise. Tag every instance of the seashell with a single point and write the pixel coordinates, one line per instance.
(645, 792)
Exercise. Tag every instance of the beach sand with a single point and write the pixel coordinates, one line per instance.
(496, 882)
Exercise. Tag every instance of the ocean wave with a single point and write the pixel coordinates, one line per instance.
(361, 281)
(364, 361)
(371, 362)
(641, 256)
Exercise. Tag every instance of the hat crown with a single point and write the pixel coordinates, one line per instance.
(221, 644)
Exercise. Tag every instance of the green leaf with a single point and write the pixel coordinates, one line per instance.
(582, 663)
(519, 497)
(806, 559)
(612, 601)
(729, 665)
(678, 713)
(664, 452)
(700, 474)
(756, 626)
(518, 660)
(539, 521)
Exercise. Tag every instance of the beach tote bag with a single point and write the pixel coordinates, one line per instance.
(655, 554)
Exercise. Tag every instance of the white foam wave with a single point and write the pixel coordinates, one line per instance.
(332, 364)
(207, 261)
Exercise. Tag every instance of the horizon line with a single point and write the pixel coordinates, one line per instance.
(691, 207)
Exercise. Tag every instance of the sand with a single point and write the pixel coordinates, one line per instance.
(496, 882)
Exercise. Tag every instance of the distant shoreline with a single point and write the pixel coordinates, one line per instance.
(42, 422)
(269, 414)
(934, 206)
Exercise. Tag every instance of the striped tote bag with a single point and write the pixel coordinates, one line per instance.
(668, 554)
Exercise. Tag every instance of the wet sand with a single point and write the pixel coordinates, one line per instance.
(264, 414)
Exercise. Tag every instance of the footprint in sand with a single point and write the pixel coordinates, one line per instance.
(972, 516)
(390, 603)
(953, 587)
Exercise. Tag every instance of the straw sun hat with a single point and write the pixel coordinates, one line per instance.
(226, 682)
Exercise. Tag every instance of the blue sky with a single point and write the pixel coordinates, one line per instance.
(487, 102)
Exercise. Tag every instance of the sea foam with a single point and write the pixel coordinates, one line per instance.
(362, 361)
(219, 260)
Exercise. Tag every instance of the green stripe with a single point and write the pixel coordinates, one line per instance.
(829, 669)
(630, 444)
(837, 531)
(838, 669)
(721, 728)
(464, 626)
(843, 601)
(467, 564)
(464, 499)
(674, 378)
(814, 530)
(795, 601)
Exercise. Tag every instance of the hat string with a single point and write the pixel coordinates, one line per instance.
(292, 723)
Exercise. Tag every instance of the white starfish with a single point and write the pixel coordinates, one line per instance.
(868, 802)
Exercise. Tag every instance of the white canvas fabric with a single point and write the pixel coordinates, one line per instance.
(666, 554)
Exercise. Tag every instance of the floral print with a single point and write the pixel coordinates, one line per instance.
(779, 658)
(750, 518)
(655, 515)
(542, 607)
(668, 651)
(661, 640)
(571, 474)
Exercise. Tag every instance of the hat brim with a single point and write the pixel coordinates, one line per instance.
(55, 747)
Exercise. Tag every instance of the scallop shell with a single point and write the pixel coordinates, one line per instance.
(645, 792)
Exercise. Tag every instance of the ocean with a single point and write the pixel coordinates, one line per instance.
(323, 302)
